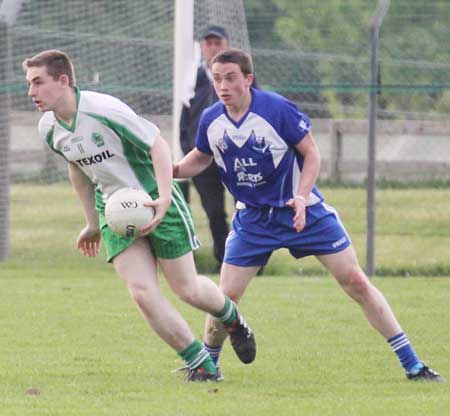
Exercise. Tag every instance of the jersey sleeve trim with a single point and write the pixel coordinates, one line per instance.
(49, 140)
(122, 131)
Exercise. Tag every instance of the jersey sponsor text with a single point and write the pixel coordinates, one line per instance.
(98, 158)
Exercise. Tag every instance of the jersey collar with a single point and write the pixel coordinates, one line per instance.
(72, 126)
(242, 119)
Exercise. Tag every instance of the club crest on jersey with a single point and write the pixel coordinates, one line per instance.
(250, 160)
(260, 142)
(303, 126)
(97, 139)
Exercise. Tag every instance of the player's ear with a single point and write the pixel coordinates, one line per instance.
(64, 79)
(249, 79)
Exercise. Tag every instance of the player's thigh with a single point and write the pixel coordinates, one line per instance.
(180, 271)
(235, 279)
(136, 265)
(341, 264)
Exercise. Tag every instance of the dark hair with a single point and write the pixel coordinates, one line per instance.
(56, 62)
(235, 56)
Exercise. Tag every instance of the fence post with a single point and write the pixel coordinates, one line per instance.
(4, 141)
(375, 25)
(336, 153)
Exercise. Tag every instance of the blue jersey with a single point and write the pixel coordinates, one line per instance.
(256, 156)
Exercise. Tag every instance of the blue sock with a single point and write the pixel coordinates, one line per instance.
(405, 353)
(214, 352)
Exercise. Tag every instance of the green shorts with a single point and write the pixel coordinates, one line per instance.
(173, 237)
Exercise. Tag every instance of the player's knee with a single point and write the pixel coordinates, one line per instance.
(139, 293)
(189, 297)
(235, 296)
(188, 294)
(356, 284)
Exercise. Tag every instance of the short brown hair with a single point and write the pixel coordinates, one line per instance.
(56, 62)
(235, 56)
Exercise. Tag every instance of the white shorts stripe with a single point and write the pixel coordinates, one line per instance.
(186, 217)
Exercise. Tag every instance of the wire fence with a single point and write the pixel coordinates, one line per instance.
(314, 53)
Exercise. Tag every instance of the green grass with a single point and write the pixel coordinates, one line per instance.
(79, 341)
(73, 343)
(412, 230)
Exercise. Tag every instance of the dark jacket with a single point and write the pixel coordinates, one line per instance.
(204, 96)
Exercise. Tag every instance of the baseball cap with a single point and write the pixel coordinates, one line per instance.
(214, 30)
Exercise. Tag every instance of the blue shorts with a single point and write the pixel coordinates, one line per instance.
(257, 232)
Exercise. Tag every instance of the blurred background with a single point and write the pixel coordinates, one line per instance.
(315, 53)
(318, 54)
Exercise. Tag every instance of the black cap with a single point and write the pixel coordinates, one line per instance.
(214, 30)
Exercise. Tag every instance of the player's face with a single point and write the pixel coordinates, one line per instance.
(211, 46)
(45, 92)
(231, 85)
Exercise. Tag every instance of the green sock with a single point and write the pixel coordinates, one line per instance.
(196, 356)
(228, 314)
(209, 365)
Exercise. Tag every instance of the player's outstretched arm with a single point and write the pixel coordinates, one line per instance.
(310, 172)
(88, 241)
(311, 164)
(192, 164)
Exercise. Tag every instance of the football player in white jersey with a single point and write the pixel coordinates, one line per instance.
(108, 147)
(269, 161)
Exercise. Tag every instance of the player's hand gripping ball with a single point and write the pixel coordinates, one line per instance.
(125, 211)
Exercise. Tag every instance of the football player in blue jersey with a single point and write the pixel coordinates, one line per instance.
(213, 40)
(269, 161)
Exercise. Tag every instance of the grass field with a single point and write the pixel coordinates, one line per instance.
(412, 229)
(73, 343)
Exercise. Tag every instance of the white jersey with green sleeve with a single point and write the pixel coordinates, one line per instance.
(107, 140)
